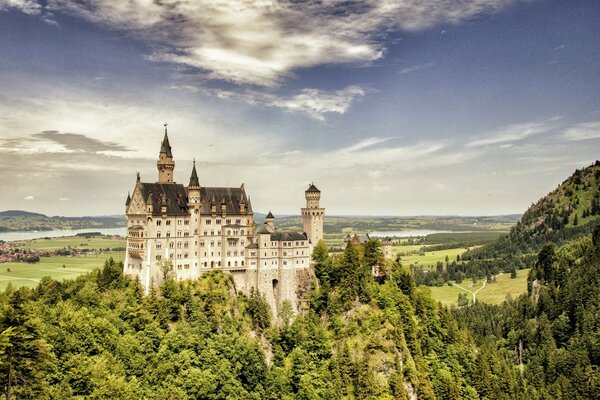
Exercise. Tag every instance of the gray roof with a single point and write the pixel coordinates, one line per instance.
(194, 177)
(173, 195)
(232, 197)
(165, 147)
(252, 246)
(287, 236)
(313, 188)
(263, 230)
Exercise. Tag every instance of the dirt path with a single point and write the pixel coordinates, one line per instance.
(473, 294)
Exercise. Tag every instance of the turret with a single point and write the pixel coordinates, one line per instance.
(194, 187)
(312, 215)
(149, 204)
(242, 203)
(165, 163)
(270, 222)
(312, 195)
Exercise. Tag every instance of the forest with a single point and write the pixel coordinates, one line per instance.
(98, 337)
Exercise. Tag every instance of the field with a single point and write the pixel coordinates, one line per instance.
(429, 258)
(96, 242)
(492, 293)
(23, 274)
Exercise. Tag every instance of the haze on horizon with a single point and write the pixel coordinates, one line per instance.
(413, 107)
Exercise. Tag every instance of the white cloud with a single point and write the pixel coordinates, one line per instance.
(263, 42)
(415, 68)
(64, 199)
(313, 102)
(511, 133)
(27, 6)
(583, 131)
(29, 198)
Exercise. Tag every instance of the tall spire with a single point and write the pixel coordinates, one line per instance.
(194, 182)
(165, 147)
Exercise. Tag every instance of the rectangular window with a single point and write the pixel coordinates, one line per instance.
(218, 222)
(208, 221)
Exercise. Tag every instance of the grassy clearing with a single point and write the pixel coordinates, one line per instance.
(492, 293)
(23, 274)
(458, 237)
(97, 242)
(431, 258)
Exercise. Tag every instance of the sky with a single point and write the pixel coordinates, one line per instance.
(391, 107)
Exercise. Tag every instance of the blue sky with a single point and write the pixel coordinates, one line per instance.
(398, 107)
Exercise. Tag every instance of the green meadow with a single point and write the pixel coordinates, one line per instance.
(428, 258)
(96, 242)
(492, 293)
(59, 268)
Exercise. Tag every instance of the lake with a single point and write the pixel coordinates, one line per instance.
(28, 235)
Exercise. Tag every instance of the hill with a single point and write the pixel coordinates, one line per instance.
(20, 213)
(19, 220)
(568, 212)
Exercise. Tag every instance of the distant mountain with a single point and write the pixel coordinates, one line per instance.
(20, 213)
(568, 212)
(19, 220)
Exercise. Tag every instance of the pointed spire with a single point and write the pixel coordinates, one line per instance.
(270, 215)
(165, 147)
(194, 177)
(128, 199)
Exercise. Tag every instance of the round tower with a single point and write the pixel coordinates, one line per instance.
(312, 215)
(165, 163)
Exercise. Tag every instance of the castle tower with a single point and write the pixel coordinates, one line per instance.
(165, 163)
(312, 215)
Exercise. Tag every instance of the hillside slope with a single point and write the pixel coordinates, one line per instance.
(568, 212)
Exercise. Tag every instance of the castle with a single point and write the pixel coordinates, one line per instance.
(187, 231)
